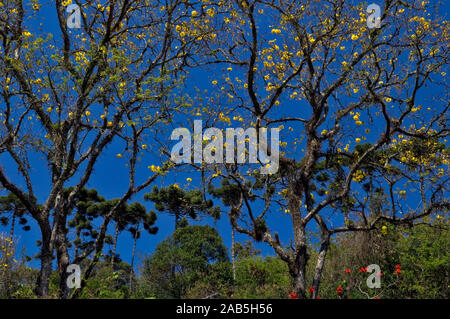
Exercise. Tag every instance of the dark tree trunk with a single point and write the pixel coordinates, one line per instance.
(298, 271)
(42, 285)
(63, 260)
(116, 236)
(319, 266)
(77, 249)
(297, 266)
(132, 259)
(177, 220)
(13, 225)
(233, 256)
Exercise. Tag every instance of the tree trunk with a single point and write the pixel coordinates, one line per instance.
(319, 266)
(233, 256)
(42, 285)
(298, 271)
(132, 259)
(297, 266)
(177, 220)
(77, 249)
(63, 260)
(116, 236)
(60, 240)
(13, 224)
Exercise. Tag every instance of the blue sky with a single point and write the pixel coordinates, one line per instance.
(110, 174)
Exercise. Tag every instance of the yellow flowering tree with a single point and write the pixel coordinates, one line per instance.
(69, 95)
(347, 94)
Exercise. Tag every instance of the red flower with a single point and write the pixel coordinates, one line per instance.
(311, 289)
(363, 269)
(347, 271)
(317, 297)
(339, 290)
(377, 298)
(293, 295)
(398, 271)
(398, 266)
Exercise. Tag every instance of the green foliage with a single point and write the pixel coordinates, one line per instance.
(181, 203)
(421, 252)
(108, 283)
(258, 277)
(424, 253)
(193, 256)
(16, 279)
(12, 206)
(90, 206)
(246, 250)
(228, 192)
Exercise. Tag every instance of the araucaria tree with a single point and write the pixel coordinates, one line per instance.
(182, 203)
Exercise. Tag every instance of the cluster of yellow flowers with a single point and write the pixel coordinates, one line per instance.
(217, 173)
(81, 57)
(358, 176)
(409, 155)
(37, 81)
(6, 251)
(357, 120)
(155, 169)
(198, 26)
(224, 118)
